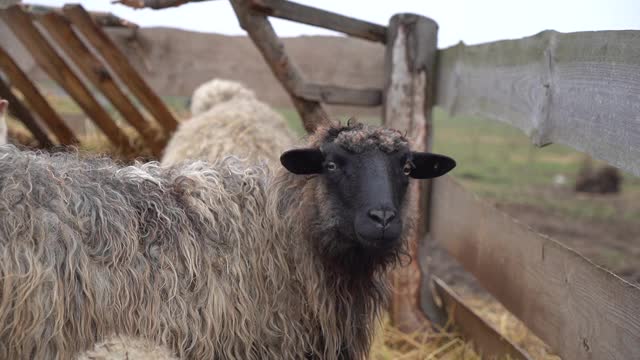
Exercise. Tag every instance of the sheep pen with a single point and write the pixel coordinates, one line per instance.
(220, 260)
(228, 119)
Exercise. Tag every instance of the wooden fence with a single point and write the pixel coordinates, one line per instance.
(50, 35)
(578, 89)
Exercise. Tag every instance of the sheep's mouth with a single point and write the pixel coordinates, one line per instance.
(385, 240)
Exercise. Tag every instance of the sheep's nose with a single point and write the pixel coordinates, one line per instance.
(382, 216)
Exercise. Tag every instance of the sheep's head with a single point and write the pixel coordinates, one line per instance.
(365, 172)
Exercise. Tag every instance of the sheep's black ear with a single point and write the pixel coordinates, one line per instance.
(428, 165)
(302, 161)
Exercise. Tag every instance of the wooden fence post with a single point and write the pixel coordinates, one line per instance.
(408, 98)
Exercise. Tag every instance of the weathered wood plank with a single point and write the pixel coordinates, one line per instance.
(37, 101)
(486, 339)
(53, 64)
(581, 310)
(325, 19)
(340, 95)
(17, 109)
(409, 66)
(154, 4)
(105, 19)
(264, 37)
(121, 66)
(60, 29)
(577, 89)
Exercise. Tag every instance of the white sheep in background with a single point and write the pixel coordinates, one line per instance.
(229, 120)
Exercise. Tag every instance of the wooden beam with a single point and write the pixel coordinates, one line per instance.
(154, 4)
(60, 29)
(408, 91)
(121, 66)
(486, 339)
(579, 309)
(105, 19)
(325, 19)
(340, 95)
(37, 101)
(49, 60)
(577, 89)
(18, 110)
(272, 49)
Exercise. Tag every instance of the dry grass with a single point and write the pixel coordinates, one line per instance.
(98, 143)
(509, 326)
(94, 143)
(390, 343)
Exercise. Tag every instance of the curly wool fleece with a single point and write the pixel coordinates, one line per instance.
(212, 261)
(233, 123)
(218, 91)
(358, 137)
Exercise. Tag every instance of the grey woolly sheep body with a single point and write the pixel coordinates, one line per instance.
(228, 120)
(213, 261)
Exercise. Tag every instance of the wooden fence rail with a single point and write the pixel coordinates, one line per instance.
(20, 111)
(578, 89)
(37, 101)
(488, 340)
(312, 16)
(581, 310)
(285, 70)
(338, 95)
(55, 66)
(104, 19)
(82, 21)
(48, 34)
(60, 29)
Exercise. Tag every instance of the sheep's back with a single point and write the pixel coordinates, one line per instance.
(246, 128)
(89, 249)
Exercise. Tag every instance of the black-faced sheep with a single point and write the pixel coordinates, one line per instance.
(228, 120)
(213, 261)
(4, 104)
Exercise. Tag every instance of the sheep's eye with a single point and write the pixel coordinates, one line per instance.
(407, 168)
(331, 166)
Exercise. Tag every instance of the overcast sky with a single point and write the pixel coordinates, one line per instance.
(471, 21)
